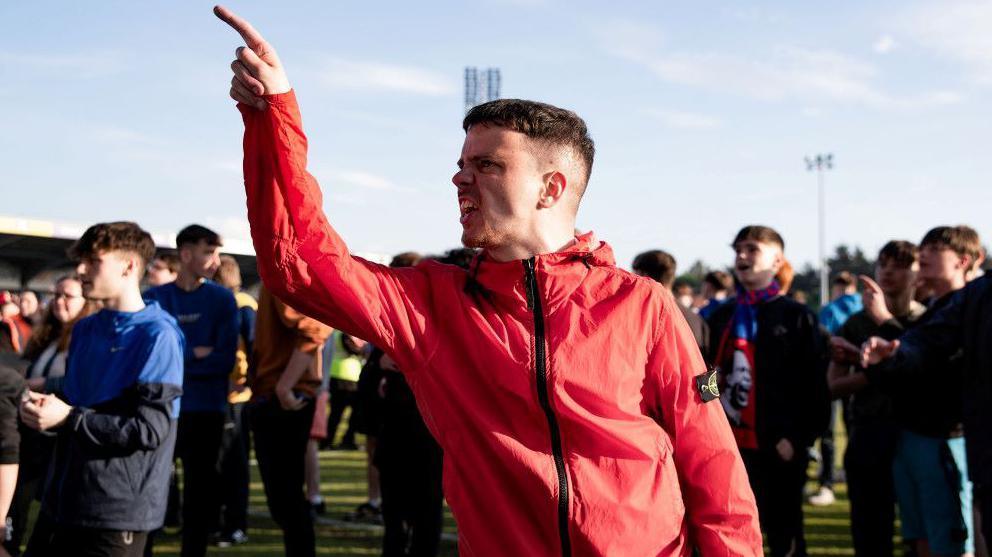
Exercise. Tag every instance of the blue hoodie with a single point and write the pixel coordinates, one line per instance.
(208, 316)
(834, 314)
(113, 455)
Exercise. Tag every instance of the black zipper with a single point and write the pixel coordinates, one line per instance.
(541, 370)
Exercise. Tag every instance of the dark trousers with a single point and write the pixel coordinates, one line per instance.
(983, 502)
(234, 469)
(778, 490)
(281, 438)
(40, 543)
(827, 448)
(411, 498)
(93, 542)
(198, 446)
(344, 394)
(29, 481)
(868, 465)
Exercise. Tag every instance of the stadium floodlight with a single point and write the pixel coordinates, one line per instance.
(481, 87)
(821, 163)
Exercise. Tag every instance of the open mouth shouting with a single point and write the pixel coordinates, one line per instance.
(466, 207)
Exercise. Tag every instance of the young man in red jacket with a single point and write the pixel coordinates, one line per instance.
(583, 420)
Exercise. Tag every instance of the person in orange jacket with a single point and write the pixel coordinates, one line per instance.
(575, 411)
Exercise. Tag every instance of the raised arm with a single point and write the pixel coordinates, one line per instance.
(301, 259)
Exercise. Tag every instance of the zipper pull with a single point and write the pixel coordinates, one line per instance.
(529, 282)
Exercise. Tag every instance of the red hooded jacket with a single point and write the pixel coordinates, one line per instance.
(561, 388)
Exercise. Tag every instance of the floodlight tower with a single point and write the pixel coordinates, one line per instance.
(481, 87)
(822, 163)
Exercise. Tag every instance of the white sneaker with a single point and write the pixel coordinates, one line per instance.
(822, 498)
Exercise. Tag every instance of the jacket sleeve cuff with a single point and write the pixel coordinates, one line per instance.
(75, 419)
(282, 99)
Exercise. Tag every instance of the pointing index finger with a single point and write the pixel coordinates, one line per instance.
(252, 37)
(869, 283)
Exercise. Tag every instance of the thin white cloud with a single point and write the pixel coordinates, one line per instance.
(885, 44)
(682, 120)
(79, 65)
(375, 76)
(361, 179)
(956, 29)
(785, 73)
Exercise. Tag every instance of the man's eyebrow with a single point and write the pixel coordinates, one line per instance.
(483, 156)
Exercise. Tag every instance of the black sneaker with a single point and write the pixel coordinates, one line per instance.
(366, 513)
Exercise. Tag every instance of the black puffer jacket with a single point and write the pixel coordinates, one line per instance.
(964, 324)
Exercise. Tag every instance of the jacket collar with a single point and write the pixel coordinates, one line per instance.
(558, 273)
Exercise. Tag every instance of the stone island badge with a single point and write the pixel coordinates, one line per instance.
(707, 385)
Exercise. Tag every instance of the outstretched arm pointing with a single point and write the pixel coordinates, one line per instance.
(257, 70)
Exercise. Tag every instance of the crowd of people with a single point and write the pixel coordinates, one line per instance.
(256, 374)
(262, 375)
(560, 405)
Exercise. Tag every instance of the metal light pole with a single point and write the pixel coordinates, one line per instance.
(821, 163)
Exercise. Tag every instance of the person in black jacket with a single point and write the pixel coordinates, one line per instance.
(963, 325)
(872, 426)
(769, 355)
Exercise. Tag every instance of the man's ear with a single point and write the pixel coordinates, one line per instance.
(779, 260)
(966, 263)
(134, 266)
(555, 186)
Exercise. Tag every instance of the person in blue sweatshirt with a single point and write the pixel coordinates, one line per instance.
(208, 316)
(116, 429)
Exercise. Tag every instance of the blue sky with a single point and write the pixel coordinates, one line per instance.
(702, 113)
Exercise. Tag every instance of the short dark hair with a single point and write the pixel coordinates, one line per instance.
(843, 278)
(656, 264)
(170, 258)
(541, 122)
(759, 233)
(195, 233)
(961, 239)
(719, 280)
(114, 236)
(406, 259)
(903, 253)
(229, 273)
(459, 257)
(682, 283)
